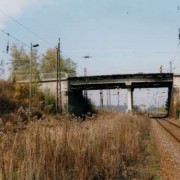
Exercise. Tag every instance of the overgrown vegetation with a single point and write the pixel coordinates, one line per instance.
(45, 64)
(6, 105)
(108, 146)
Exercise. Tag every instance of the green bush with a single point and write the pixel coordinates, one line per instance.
(50, 103)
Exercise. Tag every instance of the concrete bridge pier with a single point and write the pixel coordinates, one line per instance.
(170, 102)
(78, 104)
(75, 101)
(130, 99)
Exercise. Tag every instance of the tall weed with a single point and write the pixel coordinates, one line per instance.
(108, 146)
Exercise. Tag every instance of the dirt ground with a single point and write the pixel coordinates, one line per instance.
(169, 151)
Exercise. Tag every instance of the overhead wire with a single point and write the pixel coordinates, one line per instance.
(8, 34)
(21, 42)
(18, 40)
(26, 28)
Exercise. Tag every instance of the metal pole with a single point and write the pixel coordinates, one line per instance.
(85, 75)
(170, 63)
(107, 99)
(118, 100)
(60, 90)
(30, 83)
(57, 85)
(110, 97)
(101, 98)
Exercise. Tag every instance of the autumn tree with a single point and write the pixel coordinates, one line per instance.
(20, 70)
(48, 63)
(20, 65)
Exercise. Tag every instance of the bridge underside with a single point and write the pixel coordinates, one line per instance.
(89, 86)
(128, 81)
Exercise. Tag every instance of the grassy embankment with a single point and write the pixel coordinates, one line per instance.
(109, 146)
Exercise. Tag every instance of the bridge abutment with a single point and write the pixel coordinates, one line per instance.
(75, 101)
(78, 104)
(174, 104)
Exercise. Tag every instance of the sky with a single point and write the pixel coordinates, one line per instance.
(120, 36)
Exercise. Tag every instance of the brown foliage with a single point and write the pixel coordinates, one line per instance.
(109, 146)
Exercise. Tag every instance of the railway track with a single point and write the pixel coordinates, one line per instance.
(172, 128)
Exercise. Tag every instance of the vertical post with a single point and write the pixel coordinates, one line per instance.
(30, 83)
(107, 99)
(171, 102)
(85, 75)
(57, 82)
(118, 100)
(161, 69)
(60, 90)
(170, 64)
(130, 99)
(101, 98)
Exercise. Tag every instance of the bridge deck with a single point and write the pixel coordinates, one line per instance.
(139, 80)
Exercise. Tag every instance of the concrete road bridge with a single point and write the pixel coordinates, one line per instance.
(73, 87)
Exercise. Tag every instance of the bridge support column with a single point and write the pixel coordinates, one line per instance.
(78, 104)
(75, 102)
(130, 99)
(170, 102)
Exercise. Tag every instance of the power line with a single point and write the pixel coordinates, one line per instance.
(14, 38)
(18, 40)
(26, 28)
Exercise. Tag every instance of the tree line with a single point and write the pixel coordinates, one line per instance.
(41, 64)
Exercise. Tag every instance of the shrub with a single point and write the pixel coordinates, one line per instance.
(7, 105)
(50, 103)
(22, 90)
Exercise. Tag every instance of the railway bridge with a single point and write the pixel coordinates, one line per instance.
(72, 87)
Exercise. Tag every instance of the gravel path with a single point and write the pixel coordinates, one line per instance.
(169, 151)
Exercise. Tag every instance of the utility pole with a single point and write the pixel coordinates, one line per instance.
(60, 88)
(170, 66)
(85, 75)
(118, 100)
(108, 98)
(30, 80)
(30, 83)
(57, 80)
(101, 98)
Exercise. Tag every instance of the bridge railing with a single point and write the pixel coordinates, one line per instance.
(41, 76)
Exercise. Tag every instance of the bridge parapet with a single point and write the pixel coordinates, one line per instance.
(122, 80)
(41, 77)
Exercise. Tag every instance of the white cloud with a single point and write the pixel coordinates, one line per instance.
(16, 7)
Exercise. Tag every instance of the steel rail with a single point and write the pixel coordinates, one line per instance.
(178, 126)
(177, 139)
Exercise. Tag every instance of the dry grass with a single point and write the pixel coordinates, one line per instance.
(110, 146)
